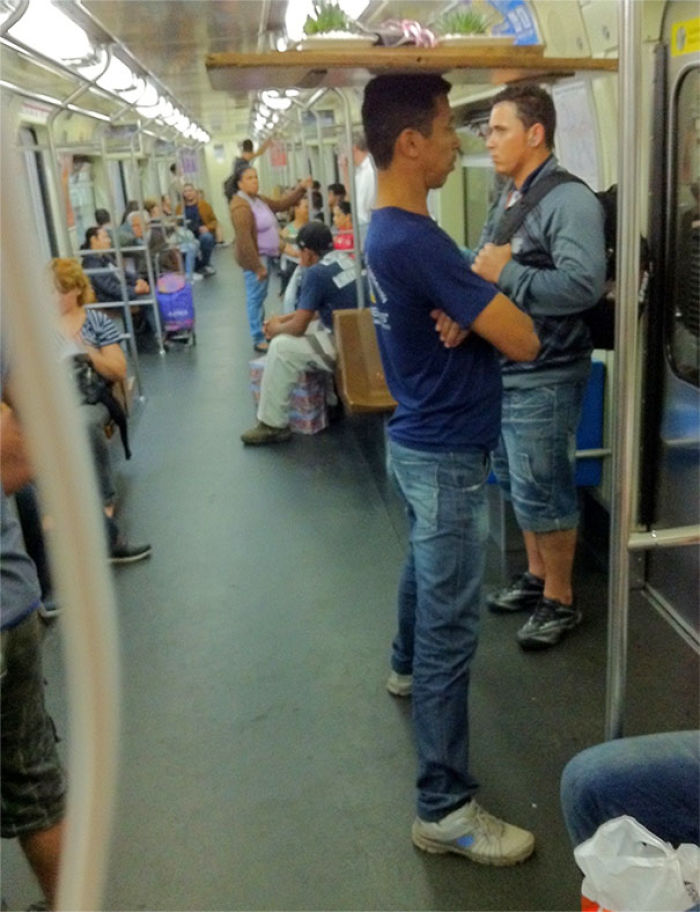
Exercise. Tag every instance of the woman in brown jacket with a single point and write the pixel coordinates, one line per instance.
(257, 239)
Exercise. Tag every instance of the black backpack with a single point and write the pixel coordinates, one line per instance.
(600, 318)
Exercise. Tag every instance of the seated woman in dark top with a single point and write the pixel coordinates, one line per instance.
(106, 284)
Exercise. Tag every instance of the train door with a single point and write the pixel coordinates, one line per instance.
(38, 191)
(673, 573)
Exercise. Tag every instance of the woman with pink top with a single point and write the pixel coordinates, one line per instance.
(257, 239)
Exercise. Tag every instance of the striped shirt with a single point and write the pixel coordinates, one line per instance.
(98, 330)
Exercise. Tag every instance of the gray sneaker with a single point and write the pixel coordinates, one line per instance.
(473, 832)
(263, 433)
(523, 594)
(548, 624)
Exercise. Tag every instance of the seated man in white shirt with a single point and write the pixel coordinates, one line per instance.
(303, 339)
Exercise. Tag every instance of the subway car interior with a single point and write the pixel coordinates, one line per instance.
(221, 706)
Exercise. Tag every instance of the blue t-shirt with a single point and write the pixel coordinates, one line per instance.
(448, 399)
(329, 285)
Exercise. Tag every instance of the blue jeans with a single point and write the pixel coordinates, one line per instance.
(653, 778)
(207, 242)
(535, 460)
(255, 294)
(438, 612)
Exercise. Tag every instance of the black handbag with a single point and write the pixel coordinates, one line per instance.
(93, 388)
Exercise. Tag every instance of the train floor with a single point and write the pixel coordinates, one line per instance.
(263, 764)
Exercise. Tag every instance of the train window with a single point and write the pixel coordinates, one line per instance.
(82, 194)
(684, 258)
(39, 194)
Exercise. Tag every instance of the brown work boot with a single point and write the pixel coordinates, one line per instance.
(263, 433)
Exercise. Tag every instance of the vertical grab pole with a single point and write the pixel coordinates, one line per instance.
(144, 228)
(342, 94)
(625, 386)
(128, 322)
(322, 167)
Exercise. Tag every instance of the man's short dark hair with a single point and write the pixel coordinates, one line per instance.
(102, 217)
(173, 169)
(532, 105)
(337, 189)
(396, 103)
(316, 236)
(247, 145)
(344, 207)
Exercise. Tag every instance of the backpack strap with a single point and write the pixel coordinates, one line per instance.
(513, 217)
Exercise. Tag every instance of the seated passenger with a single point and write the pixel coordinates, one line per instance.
(106, 284)
(201, 221)
(92, 333)
(104, 220)
(303, 339)
(342, 219)
(218, 232)
(131, 206)
(159, 232)
(290, 252)
(653, 778)
(132, 233)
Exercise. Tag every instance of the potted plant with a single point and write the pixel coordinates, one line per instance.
(329, 25)
(465, 25)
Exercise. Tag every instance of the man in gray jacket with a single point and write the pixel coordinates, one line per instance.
(542, 401)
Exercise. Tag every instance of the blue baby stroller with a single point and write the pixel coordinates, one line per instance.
(175, 301)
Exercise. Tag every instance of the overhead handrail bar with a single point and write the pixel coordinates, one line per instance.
(50, 124)
(66, 476)
(626, 346)
(61, 69)
(14, 16)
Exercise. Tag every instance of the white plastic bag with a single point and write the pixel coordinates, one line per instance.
(628, 869)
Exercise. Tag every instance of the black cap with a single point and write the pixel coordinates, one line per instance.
(316, 236)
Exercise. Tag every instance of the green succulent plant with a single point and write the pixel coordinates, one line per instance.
(462, 22)
(327, 17)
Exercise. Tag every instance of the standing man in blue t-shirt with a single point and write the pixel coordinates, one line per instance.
(446, 422)
(304, 338)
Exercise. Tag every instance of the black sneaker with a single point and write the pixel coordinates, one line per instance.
(548, 624)
(523, 594)
(124, 553)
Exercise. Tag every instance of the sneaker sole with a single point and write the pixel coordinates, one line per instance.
(501, 608)
(266, 442)
(548, 640)
(434, 847)
(132, 559)
(399, 691)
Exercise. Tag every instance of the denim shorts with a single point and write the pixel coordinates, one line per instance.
(33, 784)
(535, 460)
